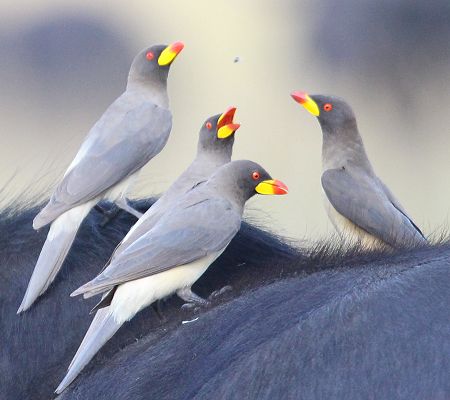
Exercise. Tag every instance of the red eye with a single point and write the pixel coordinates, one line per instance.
(149, 56)
(255, 175)
(327, 107)
(209, 125)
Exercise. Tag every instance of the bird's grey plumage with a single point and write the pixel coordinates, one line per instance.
(212, 153)
(171, 256)
(357, 201)
(133, 130)
(178, 238)
(110, 155)
(347, 187)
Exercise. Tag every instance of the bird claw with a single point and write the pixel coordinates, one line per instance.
(197, 304)
(217, 293)
(195, 307)
(108, 215)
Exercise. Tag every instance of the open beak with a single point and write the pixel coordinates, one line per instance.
(306, 101)
(225, 125)
(169, 53)
(271, 186)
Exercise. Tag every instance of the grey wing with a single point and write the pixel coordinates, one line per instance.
(362, 200)
(397, 205)
(183, 184)
(141, 227)
(187, 233)
(114, 155)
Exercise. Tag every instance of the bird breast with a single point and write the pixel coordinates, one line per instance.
(133, 296)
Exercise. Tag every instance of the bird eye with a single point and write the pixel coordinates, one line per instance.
(209, 125)
(149, 56)
(255, 175)
(327, 107)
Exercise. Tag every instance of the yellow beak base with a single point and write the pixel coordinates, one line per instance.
(306, 101)
(169, 53)
(271, 186)
(227, 130)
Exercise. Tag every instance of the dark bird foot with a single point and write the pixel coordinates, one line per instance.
(193, 301)
(217, 293)
(108, 215)
(194, 307)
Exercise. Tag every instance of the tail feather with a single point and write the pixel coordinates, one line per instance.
(102, 328)
(58, 243)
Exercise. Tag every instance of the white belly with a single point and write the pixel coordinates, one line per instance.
(348, 230)
(133, 296)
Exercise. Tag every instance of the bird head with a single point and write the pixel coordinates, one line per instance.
(244, 178)
(153, 63)
(332, 112)
(217, 132)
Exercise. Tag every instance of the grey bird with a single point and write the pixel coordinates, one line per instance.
(173, 254)
(133, 130)
(214, 149)
(357, 202)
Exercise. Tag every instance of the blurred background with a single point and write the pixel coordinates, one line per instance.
(63, 63)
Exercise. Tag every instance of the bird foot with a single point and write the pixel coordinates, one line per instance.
(195, 302)
(194, 307)
(108, 215)
(217, 293)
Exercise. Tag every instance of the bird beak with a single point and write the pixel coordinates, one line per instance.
(169, 53)
(225, 125)
(271, 186)
(306, 101)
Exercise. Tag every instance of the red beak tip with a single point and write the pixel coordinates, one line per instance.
(230, 112)
(177, 46)
(299, 97)
(281, 188)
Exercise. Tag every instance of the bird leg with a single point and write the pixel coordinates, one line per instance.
(108, 215)
(122, 202)
(192, 300)
(157, 307)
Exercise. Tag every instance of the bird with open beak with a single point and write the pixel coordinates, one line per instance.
(214, 149)
(133, 130)
(357, 202)
(173, 254)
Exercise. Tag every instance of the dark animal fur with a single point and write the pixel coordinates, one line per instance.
(297, 325)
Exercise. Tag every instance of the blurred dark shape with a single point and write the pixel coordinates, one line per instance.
(70, 59)
(388, 41)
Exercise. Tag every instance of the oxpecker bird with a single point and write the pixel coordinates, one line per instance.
(214, 149)
(172, 255)
(133, 130)
(358, 203)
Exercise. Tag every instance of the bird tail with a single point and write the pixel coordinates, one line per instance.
(59, 240)
(102, 328)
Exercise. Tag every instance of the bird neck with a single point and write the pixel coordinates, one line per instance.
(236, 197)
(344, 146)
(214, 155)
(154, 91)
